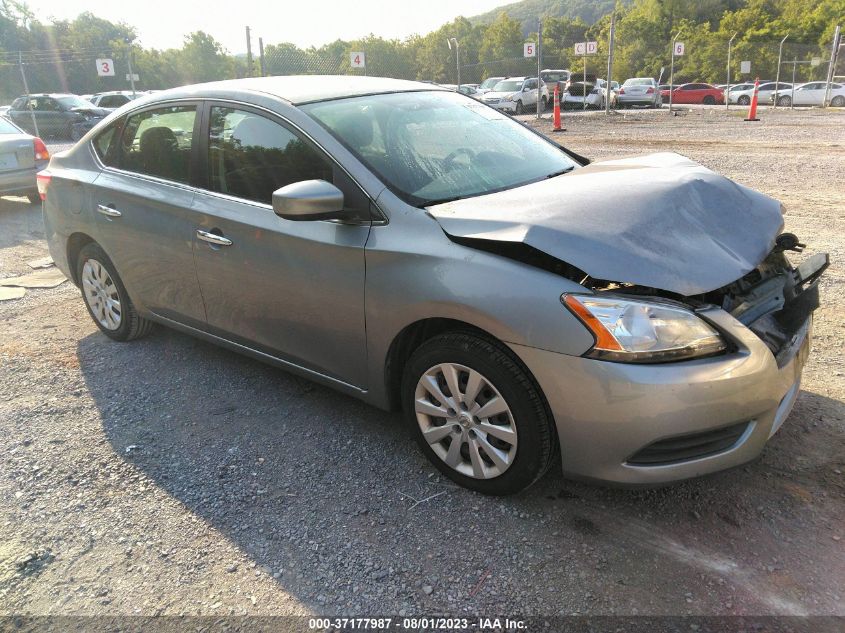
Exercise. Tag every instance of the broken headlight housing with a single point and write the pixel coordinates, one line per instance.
(634, 331)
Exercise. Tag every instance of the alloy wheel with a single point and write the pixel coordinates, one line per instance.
(465, 420)
(101, 294)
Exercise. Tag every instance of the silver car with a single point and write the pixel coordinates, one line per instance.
(640, 91)
(412, 247)
(21, 157)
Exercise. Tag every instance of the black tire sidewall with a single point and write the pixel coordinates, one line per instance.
(93, 251)
(532, 456)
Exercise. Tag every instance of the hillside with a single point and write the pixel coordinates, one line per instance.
(527, 11)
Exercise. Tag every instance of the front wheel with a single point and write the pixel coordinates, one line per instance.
(106, 298)
(545, 104)
(744, 100)
(477, 414)
(785, 100)
(709, 100)
(519, 109)
(838, 101)
(34, 197)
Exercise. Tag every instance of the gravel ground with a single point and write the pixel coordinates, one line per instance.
(168, 476)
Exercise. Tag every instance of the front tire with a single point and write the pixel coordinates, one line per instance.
(106, 298)
(838, 101)
(34, 197)
(744, 100)
(709, 100)
(784, 101)
(477, 414)
(519, 109)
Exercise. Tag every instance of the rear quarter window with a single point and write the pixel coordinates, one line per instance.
(102, 145)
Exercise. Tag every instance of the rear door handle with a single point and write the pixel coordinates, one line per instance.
(213, 238)
(107, 211)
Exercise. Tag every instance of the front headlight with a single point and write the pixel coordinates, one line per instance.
(643, 331)
(509, 98)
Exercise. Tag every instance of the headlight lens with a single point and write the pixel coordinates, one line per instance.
(643, 331)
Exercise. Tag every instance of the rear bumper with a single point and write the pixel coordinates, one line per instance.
(637, 99)
(606, 413)
(18, 181)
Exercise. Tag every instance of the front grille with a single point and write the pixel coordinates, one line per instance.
(686, 447)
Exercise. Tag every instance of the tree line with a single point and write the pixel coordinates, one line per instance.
(59, 55)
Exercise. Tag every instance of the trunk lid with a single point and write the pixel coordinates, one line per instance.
(660, 220)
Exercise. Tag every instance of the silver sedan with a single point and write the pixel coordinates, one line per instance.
(412, 247)
(21, 157)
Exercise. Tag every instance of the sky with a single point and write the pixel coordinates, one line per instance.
(163, 24)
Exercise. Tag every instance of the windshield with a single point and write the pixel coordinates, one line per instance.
(639, 82)
(6, 127)
(72, 101)
(429, 147)
(508, 86)
(490, 82)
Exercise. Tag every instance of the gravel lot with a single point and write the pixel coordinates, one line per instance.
(168, 476)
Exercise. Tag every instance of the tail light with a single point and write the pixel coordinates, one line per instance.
(42, 180)
(41, 152)
(650, 91)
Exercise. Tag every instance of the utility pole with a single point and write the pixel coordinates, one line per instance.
(777, 78)
(261, 55)
(26, 92)
(672, 69)
(539, 64)
(248, 54)
(728, 93)
(610, 62)
(129, 64)
(831, 67)
(457, 57)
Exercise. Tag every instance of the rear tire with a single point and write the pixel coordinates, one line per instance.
(522, 448)
(784, 100)
(545, 104)
(34, 197)
(744, 100)
(106, 298)
(838, 101)
(709, 100)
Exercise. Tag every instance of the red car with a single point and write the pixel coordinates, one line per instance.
(695, 93)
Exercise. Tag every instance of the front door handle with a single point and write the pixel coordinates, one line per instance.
(107, 211)
(213, 238)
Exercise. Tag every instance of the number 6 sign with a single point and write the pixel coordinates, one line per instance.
(105, 67)
(357, 60)
(679, 48)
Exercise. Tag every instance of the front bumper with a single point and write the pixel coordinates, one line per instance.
(606, 412)
(504, 106)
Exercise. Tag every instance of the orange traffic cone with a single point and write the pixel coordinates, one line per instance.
(557, 127)
(752, 109)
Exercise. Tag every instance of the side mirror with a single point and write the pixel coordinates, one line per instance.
(308, 200)
(526, 89)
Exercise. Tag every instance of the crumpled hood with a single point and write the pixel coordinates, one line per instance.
(90, 111)
(660, 220)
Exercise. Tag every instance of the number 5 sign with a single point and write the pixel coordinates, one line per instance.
(528, 50)
(679, 48)
(105, 67)
(357, 60)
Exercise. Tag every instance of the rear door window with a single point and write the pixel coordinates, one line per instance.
(158, 143)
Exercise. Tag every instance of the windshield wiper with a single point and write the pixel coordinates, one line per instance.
(561, 172)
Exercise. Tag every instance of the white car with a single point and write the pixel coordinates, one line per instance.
(113, 100)
(640, 91)
(517, 95)
(487, 85)
(743, 97)
(735, 89)
(811, 94)
(593, 93)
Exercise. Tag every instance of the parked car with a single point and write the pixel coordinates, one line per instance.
(21, 157)
(695, 93)
(735, 88)
(593, 93)
(517, 95)
(559, 78)
(62, 115)
(811, 94)
(487, 85)
(4, 110)
(113, 100)
(415, 249)
(640, 91)
(743, 97)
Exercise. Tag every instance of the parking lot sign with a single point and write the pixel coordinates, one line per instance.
(529, 50)
(592, 48)
(105, 67)
(580, 48)
(745, 67)
(586, 48)
(679, 48)
(357, 60)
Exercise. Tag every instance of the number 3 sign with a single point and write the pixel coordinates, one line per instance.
(105, 67)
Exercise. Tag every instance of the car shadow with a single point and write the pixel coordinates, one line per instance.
(334, 499)
(21, 221)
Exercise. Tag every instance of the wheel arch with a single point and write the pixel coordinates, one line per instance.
(75, 243)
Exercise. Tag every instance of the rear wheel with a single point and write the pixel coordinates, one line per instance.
(709, 100)
(545, 104)
(106, 298)
(784, 100)
(476, 414)
(744, 100)
(838, 101)
(34, 197)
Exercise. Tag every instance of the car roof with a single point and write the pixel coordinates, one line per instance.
(300, 89)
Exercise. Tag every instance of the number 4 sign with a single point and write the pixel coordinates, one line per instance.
(105, 67)
(528, 50)
(357, 60)
(679, 48)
